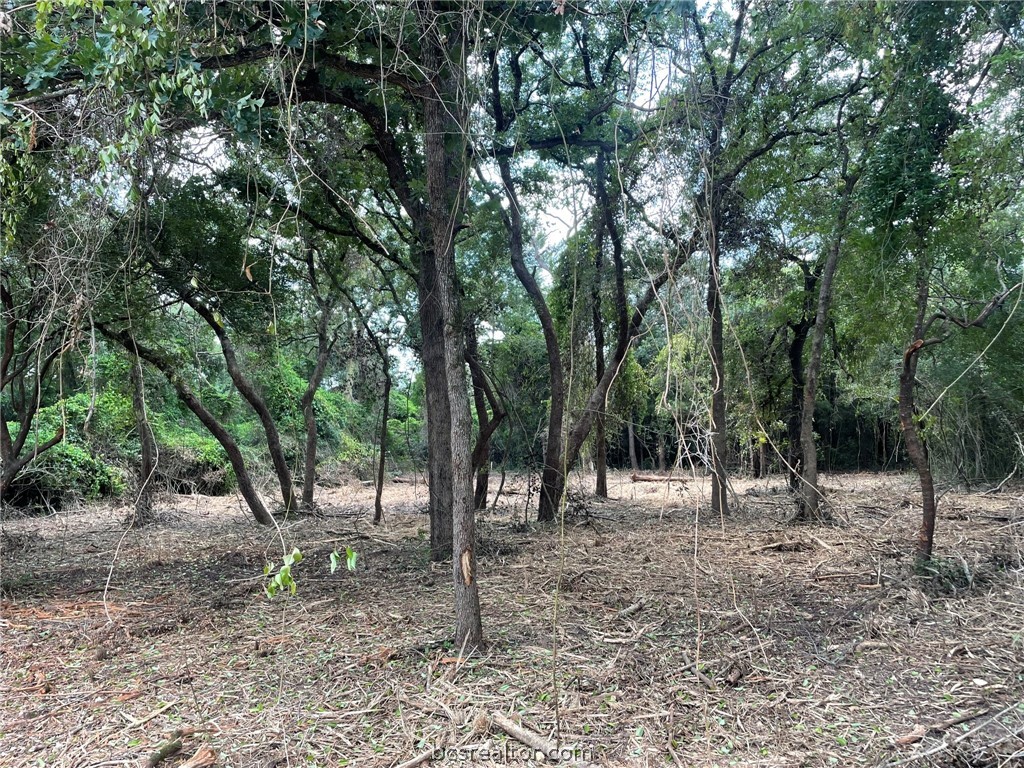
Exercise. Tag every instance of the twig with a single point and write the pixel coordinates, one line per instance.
(422, 757)
(136, 723)
(707, 681)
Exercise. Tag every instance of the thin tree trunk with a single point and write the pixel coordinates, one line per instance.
(552, 484)
(378, 507)
(324, 345)
(719, 446)
(143, 509)
(810, 494)
(193, 403)
(633, 463)
(483, 395)
(252, 396)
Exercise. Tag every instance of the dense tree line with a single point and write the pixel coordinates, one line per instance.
(253, 244)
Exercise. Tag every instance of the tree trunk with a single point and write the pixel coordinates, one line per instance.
(323, 350)
(796, 393)
(552, 484)
(917, 451)
(810, 508)
(143, 510)
(483, 394)
(719, 446)
(255, 400)
(633, 463)
(600, 440)
(661, 452)
(193, 403)
(378, 508)
(445, 118)
(439, 422)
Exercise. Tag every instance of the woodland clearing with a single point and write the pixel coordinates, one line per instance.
(638, 632)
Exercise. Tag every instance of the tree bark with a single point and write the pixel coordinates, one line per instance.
(634, 465)
(483, 396)
(719, 446)
(323, 351)
(445, 120)
(600, 440)
(917, 450)
(143, 510)
(378, 507)
(193, 403)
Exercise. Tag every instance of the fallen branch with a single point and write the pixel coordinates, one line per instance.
(923, 730)
(794, 545)
(638, 478)
(529, 738)
(634, 608)
(707, 681)
(408, 480)
(165, 750)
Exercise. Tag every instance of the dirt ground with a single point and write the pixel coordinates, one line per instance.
(642, 632)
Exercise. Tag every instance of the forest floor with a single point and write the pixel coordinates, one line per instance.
(641, 633)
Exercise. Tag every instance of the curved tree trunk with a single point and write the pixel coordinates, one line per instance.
(552, 484)
(193, 403)
(252, 396)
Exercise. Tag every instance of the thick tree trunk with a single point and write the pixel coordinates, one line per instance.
(445, 118)
(143, 510)
(600, 440)
(917, 451)
(252, 396)
(439, 423)
(194, 404)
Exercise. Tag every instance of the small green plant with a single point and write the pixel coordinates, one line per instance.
(282, 578)
(350, 559)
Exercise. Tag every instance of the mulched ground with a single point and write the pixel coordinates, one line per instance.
(639, 633)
